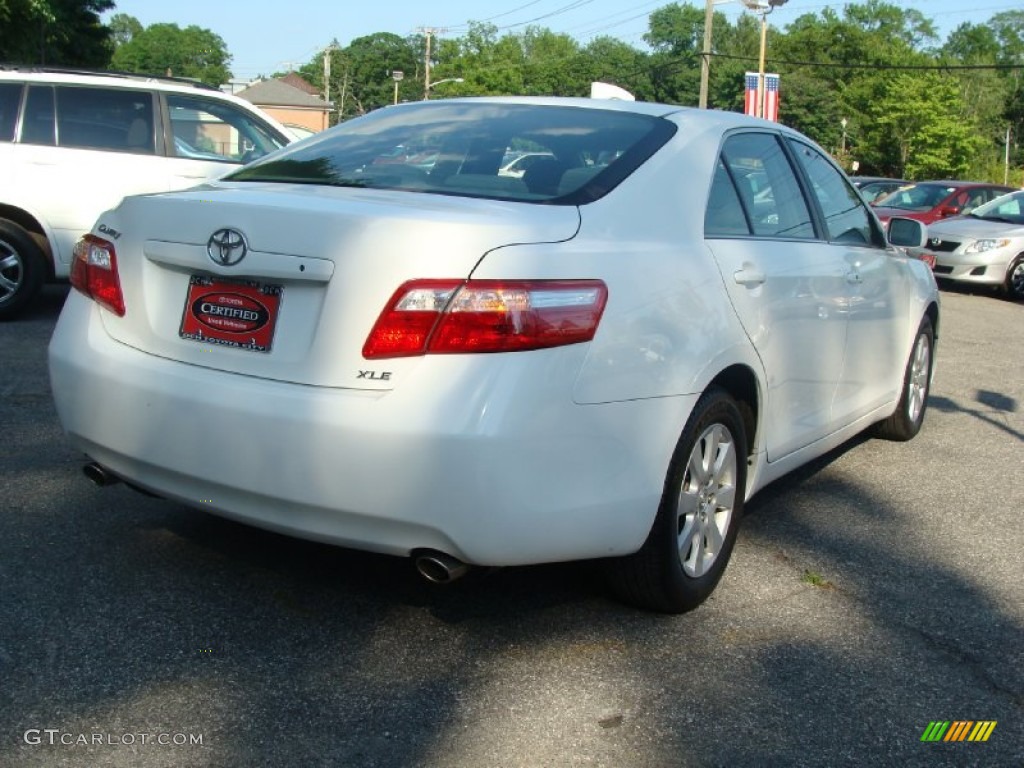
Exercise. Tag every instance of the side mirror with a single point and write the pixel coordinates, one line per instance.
(948, 210)
(907, 233)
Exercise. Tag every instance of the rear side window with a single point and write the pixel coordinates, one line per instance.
(501, 151)
(10, 99)
(724, 216)
(766, 186)
(204, 129)
(846, 217)
(39, 124)
(109, 119)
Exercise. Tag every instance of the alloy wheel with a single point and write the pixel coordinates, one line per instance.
(917, 384)
(12, 271)
(707, 500)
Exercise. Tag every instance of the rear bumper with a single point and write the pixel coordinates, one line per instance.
(478, 457)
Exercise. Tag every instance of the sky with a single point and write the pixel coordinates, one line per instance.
(262, 42)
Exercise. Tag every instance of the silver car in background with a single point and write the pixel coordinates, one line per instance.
(986, 246)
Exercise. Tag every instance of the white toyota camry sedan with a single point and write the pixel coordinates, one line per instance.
(603, 358)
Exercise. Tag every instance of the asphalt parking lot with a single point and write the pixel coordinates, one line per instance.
(870, 594)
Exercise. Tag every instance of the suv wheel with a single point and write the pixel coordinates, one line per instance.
(21, 269)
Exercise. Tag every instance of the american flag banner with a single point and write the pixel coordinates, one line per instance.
(750, 100)
(771, 98)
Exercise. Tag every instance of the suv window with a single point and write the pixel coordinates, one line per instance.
(846, 217)
(204, 129)
(10, 99)
(39, 123)
(767, 187)
(111, 119)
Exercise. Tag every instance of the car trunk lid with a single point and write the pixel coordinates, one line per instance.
(284, 282)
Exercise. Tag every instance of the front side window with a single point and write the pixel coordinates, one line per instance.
(846, 217)
(10, 100)
(109, 119)
(206, 129)
(767, 187)
(521, 152)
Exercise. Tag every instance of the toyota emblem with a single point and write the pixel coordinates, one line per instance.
(226, 247)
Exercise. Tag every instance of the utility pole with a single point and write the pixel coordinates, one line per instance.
(344, 92)
(705, 59)
(1006, 160)
(428, 34)
(327, 72)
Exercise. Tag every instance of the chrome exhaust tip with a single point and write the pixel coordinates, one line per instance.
(439, 568)
(98, 475)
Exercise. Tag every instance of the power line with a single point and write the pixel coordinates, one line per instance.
(889, 67)
(558, 12)
(509, 13)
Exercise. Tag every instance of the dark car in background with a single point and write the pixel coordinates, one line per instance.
(930, 201)
(873, 188)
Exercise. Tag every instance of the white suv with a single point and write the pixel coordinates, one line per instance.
(72, 144)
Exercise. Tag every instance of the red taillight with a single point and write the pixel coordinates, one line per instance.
(450, 316)
(94, 273)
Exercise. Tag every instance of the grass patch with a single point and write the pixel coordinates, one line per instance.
(816, 580)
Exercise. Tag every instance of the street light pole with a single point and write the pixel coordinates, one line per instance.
(397, 75)
(760, 64)
(446, 80)
(764, 8)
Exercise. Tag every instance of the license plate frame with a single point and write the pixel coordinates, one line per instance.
(228, 312)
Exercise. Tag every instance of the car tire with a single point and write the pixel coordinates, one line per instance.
(1014, 284)
(22, 266)
(906, 421)
(693, 534)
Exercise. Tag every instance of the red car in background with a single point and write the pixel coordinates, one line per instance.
(930, 201)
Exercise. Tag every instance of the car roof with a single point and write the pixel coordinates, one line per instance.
(959, 184)
(704, 119)
(871, 179)
(103, 78)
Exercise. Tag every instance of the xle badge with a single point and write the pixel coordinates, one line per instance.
(375, 375)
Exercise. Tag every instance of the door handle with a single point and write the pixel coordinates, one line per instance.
(854, 278)
(749, 276)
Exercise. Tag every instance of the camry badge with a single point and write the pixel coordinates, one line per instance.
(226, 247)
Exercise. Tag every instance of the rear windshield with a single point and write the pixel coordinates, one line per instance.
(531, 153)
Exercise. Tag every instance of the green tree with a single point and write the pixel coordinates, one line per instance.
(917, 114)
(161, 49)
(984, 93)
(676, 35)
(361, 73)
(55, 32)
(1009, 30)
(553, 66)
(608, 60)
(842, 68)
(490, 65)
(123, 28)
